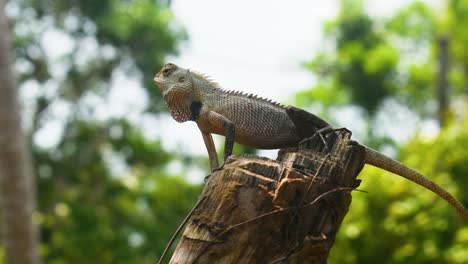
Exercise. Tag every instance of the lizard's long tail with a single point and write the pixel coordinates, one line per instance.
(379, 160)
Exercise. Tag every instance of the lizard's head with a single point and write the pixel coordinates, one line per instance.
(172, 76)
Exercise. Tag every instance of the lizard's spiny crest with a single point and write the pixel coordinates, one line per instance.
(206, 78)
(216, 85)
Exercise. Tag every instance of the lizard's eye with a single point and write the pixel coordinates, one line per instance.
(182, 79)
(166, 71)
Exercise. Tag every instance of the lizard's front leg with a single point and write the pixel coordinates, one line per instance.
(211, 148)
(217, 120)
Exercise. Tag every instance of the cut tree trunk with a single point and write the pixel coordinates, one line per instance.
(257, 210)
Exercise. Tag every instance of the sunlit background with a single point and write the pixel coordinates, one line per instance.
(115, 170)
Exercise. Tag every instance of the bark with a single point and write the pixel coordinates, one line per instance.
(17, 202)
(257, 210)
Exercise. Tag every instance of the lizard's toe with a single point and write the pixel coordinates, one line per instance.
(206, 178)
(218, 168)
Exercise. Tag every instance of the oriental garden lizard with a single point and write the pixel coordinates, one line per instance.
(257, 122)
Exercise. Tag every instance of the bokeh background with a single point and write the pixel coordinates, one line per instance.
(115, 175)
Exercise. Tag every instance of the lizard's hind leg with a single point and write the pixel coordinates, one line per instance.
(308, 125)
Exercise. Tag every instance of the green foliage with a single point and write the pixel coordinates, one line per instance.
(414, 29)
(416, 21)
(418, 82)
(135, 34)
(372, 60)
(362, 63)
(123, 220)
(327, 93)
(375, 59)
(142, 30)
(398, 221)
(90, 214)
(455, 28)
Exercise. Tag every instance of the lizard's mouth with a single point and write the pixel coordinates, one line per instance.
(163, 84)
(159, 80)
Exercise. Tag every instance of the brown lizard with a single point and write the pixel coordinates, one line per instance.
(257, 122)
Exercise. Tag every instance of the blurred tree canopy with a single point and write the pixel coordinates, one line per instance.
(368, 62)
(375, 63)
(104, 193)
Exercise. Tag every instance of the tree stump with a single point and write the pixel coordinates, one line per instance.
(257, 210)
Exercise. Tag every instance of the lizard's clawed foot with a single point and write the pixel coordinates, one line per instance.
(218, 168)
(226, 156)
(215, 167)
(206, 178)
(322, 133)
(213, 171)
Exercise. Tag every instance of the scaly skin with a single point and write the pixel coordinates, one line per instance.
(257, 122)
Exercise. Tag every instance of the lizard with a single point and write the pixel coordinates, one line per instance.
(258, 122)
